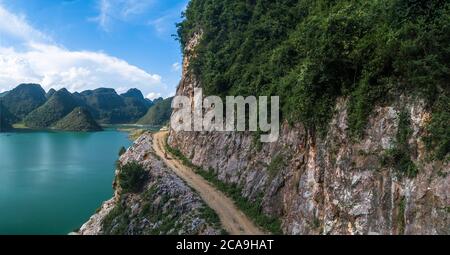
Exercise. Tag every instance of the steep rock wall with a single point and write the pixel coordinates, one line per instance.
(334, 184)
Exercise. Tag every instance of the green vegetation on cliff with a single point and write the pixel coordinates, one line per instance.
(399, 157)
(309, 52)
(79, 119)
(438, 131)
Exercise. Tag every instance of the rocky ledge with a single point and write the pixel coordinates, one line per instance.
(166, 205)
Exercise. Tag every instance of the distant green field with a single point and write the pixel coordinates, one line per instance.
(20, 126)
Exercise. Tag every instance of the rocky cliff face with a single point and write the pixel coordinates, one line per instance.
(334, 184)
(166, 205)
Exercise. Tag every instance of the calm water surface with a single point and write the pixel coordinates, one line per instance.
(52, 182)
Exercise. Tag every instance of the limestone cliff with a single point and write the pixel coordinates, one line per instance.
(165, 205)
(334, 184)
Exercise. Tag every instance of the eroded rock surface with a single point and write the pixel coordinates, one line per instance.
(166, 205)
(330, 185)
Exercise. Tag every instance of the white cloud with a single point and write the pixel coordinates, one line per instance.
(134, 7)
(153, 95)
(165, 24)
(123, 10)
(176, 67)
(56, 67)
(38, 60)
(17, 27)
(159, 24)
(103, 16)
(121, 90)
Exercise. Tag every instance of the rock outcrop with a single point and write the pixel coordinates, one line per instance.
(334, 184)
(166, 205)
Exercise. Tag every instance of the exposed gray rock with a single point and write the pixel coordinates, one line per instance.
(330, 185)
(165, 206)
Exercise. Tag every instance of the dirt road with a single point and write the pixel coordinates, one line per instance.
(233, 220)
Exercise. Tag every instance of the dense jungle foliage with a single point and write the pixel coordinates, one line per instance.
(310, 52)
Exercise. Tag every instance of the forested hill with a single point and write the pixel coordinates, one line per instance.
(310, 52)
(30, 105)
(158, 114)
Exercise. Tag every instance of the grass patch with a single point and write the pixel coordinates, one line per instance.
(210, 216)
(276, 165)
(136, 133)
(117, 221)
(401, 221)
(20, 126)
(438, 138)
(252, 209)
(166, 220)
(256, 142)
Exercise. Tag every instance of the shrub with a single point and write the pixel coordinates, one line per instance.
(210, 216)
(399, 156)
(401, 221)
(122, 151)
(132, 177)
(438, 138)
(116, 222)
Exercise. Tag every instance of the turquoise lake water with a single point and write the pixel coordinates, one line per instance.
(52, 182)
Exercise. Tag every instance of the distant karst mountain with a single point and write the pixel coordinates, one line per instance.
(159, 114)
(80, 119)
(136, 104)
(110, 108)
(50, 93)
(134, 93)
(24, 99)
(30, 104)
(59, 105)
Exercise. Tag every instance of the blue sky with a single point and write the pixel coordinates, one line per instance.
(85, 44)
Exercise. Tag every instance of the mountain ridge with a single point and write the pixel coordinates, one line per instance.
(38, 109)
(23, 99)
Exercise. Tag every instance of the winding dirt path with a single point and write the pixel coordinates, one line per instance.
(233, 220)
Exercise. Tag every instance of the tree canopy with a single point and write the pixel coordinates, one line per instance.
(310, 52)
